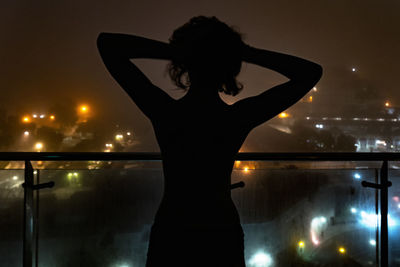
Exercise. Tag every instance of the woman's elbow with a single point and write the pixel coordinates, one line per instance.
(103, 41)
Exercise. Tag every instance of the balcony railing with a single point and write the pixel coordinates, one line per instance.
(95, 209)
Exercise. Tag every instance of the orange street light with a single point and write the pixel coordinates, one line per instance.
(26, 119)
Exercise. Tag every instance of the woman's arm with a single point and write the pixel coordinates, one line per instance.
(116, 50)
(302, 74)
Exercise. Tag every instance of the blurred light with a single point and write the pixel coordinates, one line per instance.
(310, 98)
(109, 145)
(52, 117)
(357, 176)
(34, 115)
(307, 118)
(42, 116)
(372, 220)
(75, 174)
(246, 169)
(261, 259)
(317, 225)
(83, 109)
(15, 178)
(396, 198)
(353, 69)
(34, 172)
(315, 89)
(387, 104)
(128, 133)
(106, 150)
(372, 242)
(26, 133)
(353, 210)
(301, 244)
(119, 136)
(40, 162)
(398, 206)
(283, 115)
(319, 126)
(26, 119)
(39, 146)
(342, 250)
(380, 142)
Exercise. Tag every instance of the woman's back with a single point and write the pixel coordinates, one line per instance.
(198, 143)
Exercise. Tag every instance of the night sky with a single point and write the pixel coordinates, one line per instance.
(48, 48)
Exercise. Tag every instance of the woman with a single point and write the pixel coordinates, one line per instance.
(197, 223)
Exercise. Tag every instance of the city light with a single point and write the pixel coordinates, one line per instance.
(15, 178)
(353, 69)
(26, 119)
(34, 115)
(83, 109)
(353, 210)
(387, 104)
(261, 259)
(119, 137)
(128, 133)
(315, 89)
(26, 133)
(39, 146)
(283, 115)
(52, 117)
(42, 116)
(246, 169)
(372, 242)
(318, 224)
(372, 220)
(301, 244)
(319, 126)
(109, 145)
(342, 250)
(310, 98)
(357, 176)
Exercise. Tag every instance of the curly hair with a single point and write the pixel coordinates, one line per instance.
(208, 47)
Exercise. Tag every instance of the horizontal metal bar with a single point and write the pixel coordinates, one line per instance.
(292, 156)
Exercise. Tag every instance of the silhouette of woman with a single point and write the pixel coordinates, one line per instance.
(197, 223)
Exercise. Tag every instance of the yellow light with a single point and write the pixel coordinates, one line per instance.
(283, 115)
(26, 133)
(310, 98)
(52, 117)
(38, 146)
(84, 108)
(387, 104)
(246, 169)
(119, 136)
(315, 89)
(301, 244)
(26, 119)
(342, 250)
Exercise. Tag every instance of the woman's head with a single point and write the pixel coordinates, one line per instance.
(209, 50)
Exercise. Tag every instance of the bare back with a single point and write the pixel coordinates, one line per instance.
(198, 143)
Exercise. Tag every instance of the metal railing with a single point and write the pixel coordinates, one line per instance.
(30, 187)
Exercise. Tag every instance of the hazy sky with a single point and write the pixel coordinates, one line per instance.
(48, 48)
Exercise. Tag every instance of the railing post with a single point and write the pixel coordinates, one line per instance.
(384, 215)
(28, 215)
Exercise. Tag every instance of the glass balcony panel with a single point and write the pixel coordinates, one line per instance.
(394, 215)
(293, 214)
(11, 215)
